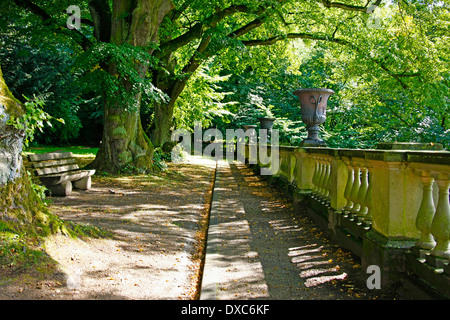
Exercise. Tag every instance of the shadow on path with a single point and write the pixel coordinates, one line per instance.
(260, 248)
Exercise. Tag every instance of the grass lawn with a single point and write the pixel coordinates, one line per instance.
(78, 151)
(84, 155)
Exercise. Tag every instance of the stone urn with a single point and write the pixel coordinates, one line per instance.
(267, 124)
(248, 126)
(313, 104)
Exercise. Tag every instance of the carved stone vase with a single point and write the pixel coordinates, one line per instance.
(248, 126)
(267, 123)
(313, 104)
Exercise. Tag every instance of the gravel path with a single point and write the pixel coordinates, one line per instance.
(260, 248)
(153, 252)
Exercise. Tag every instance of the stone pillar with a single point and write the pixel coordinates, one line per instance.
(393, 208)
(355, 188)
(362, 193)
(305, 171)
(369, 197)
(348, 186)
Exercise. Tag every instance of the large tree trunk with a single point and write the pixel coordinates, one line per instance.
(20, 207)
(162, 124)
(124, 143)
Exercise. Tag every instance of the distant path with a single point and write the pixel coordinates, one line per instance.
(259, 248)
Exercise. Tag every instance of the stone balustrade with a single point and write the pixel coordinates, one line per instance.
(391, 202)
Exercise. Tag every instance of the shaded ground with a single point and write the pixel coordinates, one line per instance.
(153, 253)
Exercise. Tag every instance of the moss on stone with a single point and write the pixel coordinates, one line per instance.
(144, 162)
(25, 212)
(409, 146)
(12, 105)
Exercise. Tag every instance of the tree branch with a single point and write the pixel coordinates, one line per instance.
(272, 40)
(247, 28)
(199, 28)
(50, 22)
(101, 16)
(348, 7)
(302, 35)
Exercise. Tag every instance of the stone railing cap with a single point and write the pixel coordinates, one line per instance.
(410, 146)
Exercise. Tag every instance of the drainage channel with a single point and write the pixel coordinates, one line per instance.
(231, 270)
(205, 230)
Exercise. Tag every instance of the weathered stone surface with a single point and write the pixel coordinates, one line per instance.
(409, 146)
(11, 143)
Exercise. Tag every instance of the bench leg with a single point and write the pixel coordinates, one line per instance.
(83, 184)
(63, 189)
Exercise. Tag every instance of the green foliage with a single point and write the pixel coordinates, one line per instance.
(40, 190)
(391, 82)
(389, 68)
(123, 80)
(202, 99)
(15, 252)
(160, 158)
(33, 119)
(41, 73)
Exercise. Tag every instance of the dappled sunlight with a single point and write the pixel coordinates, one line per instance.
(154, 222)
(297, 259)
(107, 268)
(314, 281)
(314, 262)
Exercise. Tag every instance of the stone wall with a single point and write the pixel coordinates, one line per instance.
(375, 202)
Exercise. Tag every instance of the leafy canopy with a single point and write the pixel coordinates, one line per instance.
(226, 62)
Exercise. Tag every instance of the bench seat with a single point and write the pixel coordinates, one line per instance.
(59, 171)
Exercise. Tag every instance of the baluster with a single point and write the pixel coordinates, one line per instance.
(315, 179)
(362, 193)
(355, 189)
(328, 182)
(348, 189)
(326, 172)
(321, 177)
(426, 213)
(440, 227)
(368, 199)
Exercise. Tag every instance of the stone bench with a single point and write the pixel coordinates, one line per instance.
(59, 171)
